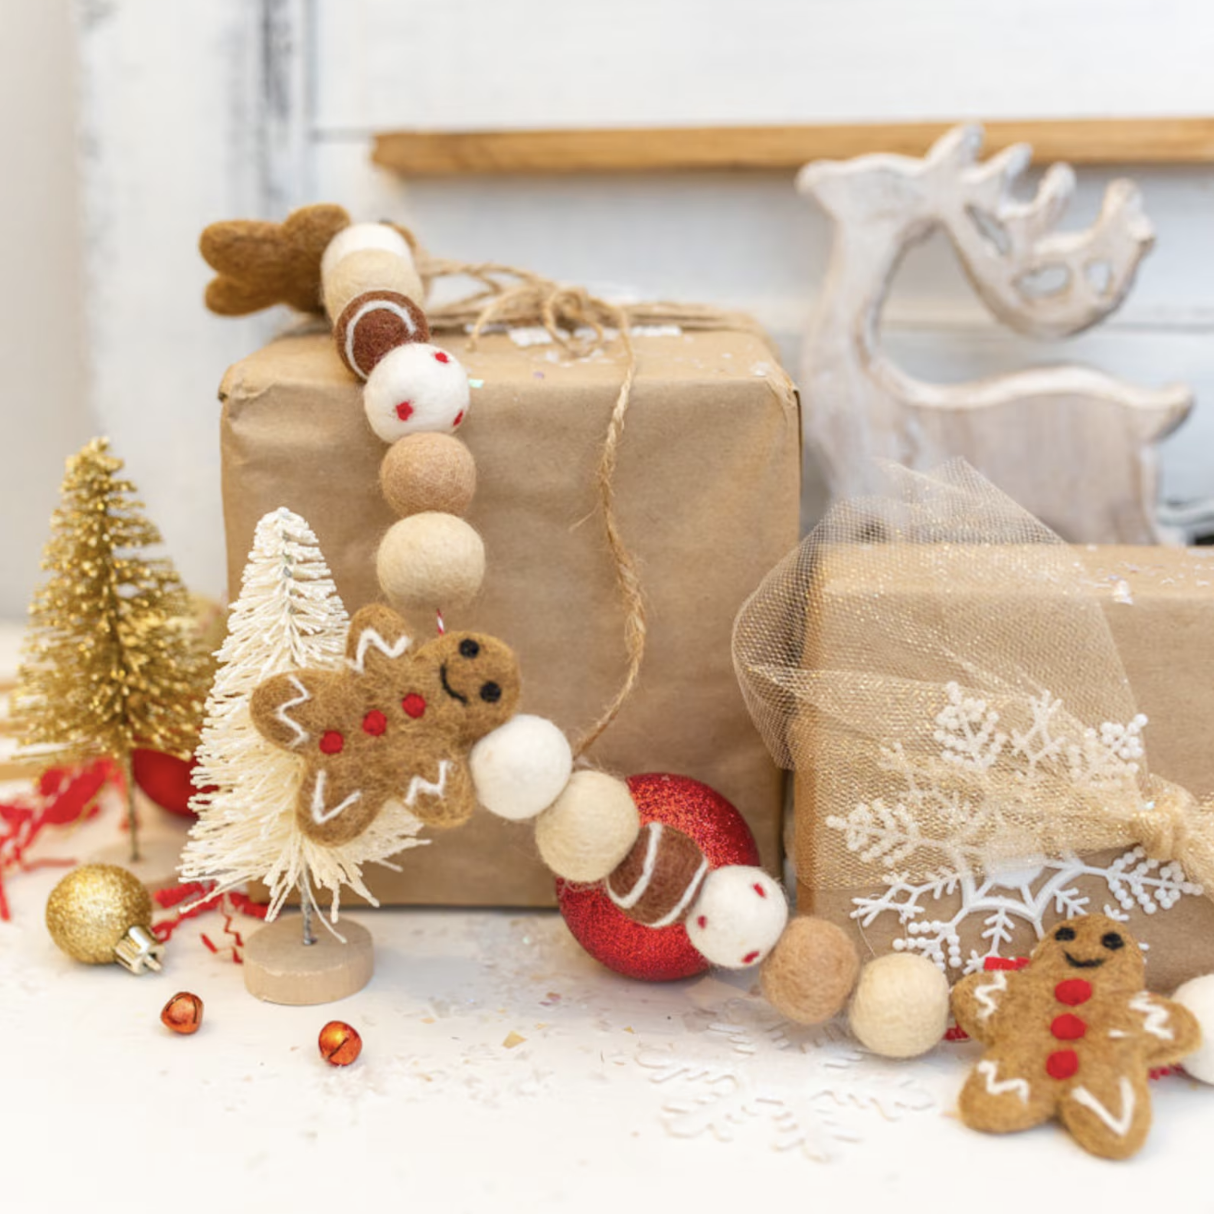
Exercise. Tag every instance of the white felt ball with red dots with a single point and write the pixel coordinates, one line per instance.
(416, 388)
(738, 917)
(520, 768)
(1198, 996)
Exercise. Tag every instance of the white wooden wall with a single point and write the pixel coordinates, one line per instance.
(204, 109)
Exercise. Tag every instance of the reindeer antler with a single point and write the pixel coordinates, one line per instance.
(1041, 282)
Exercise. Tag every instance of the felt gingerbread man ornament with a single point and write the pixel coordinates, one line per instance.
(1073, 1035)
(394, 726)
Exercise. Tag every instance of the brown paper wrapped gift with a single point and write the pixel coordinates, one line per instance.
(1159, 604)
(707, 491)
(991, 729)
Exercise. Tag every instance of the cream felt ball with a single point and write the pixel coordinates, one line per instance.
(372, 271)
(589, 828)
(1198, 996)
(810, 973)
(521, 768)
(430, 562)
(415, 388)
(428, 472)
(362, 236)
(738, 917)
(900, 1008)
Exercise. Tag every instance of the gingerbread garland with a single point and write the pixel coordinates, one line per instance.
(363, 747)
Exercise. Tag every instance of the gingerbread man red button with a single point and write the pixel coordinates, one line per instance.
(1068, 1027)
(1097, 1086)
(1073, 991)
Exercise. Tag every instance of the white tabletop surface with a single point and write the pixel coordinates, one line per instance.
(502, 1069)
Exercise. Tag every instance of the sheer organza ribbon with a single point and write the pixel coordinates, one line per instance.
(937, 667)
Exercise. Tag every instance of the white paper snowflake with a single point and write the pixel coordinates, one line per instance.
(746, 1067)
(1017, 885)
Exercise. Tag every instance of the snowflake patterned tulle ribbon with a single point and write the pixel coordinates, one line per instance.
(937, 667)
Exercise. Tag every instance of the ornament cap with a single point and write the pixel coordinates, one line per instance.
(139, 951)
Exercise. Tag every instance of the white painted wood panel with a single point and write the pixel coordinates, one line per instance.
(180, 127)
(473, 63)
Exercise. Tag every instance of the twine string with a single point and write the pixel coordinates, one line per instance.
(580, 324)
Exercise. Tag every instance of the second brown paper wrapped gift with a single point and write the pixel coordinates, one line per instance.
(707, 492)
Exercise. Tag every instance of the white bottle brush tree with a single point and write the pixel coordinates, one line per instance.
(288, 616)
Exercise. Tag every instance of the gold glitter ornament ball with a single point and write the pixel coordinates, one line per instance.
(90, 911)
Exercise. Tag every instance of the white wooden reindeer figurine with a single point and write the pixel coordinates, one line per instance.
(1071, 444)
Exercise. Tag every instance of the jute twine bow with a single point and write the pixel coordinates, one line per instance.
(580, 324)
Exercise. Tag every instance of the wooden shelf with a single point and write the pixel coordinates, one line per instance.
(654, 149)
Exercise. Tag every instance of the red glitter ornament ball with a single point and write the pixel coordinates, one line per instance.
(165, 779)
(665, 953)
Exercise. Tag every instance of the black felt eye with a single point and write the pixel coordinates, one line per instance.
(1112, 941)
(468, 648)
(490, 693)
(1065, 933)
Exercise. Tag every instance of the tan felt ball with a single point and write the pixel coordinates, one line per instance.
(656, 883)
(430, 562)
(811, 971)
(589, 828)
(428, 472)
(900, 1008)
(375, 323)
(368, 270)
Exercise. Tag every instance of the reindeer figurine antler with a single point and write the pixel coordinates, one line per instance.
(1036, 433)
(1041, 282)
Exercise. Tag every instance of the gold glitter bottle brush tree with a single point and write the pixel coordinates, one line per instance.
(111, 660)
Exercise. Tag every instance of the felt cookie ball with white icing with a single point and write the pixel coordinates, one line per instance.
(738, 917)
(416, 388)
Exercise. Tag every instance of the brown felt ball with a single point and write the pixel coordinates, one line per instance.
(656, 883)
(259, 264)
(810, 973)
(366, 270)
(428, 472)
(589, 828)
(430, 562)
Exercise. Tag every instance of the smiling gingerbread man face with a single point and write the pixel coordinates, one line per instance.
(395, 725)
(1073, 1036)
(1094, 948)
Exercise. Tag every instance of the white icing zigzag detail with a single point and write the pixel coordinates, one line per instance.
(986, 994)
(301, 734)
(319, 812)
(1156, 1016)
(1119, 1125)
(1000, 1087)
(417, 785)
(369, 638)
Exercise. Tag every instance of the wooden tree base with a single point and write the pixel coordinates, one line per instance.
(280, 968)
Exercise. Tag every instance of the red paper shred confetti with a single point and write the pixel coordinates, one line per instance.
(200, 900)
(60, 797)
(1004, 963)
